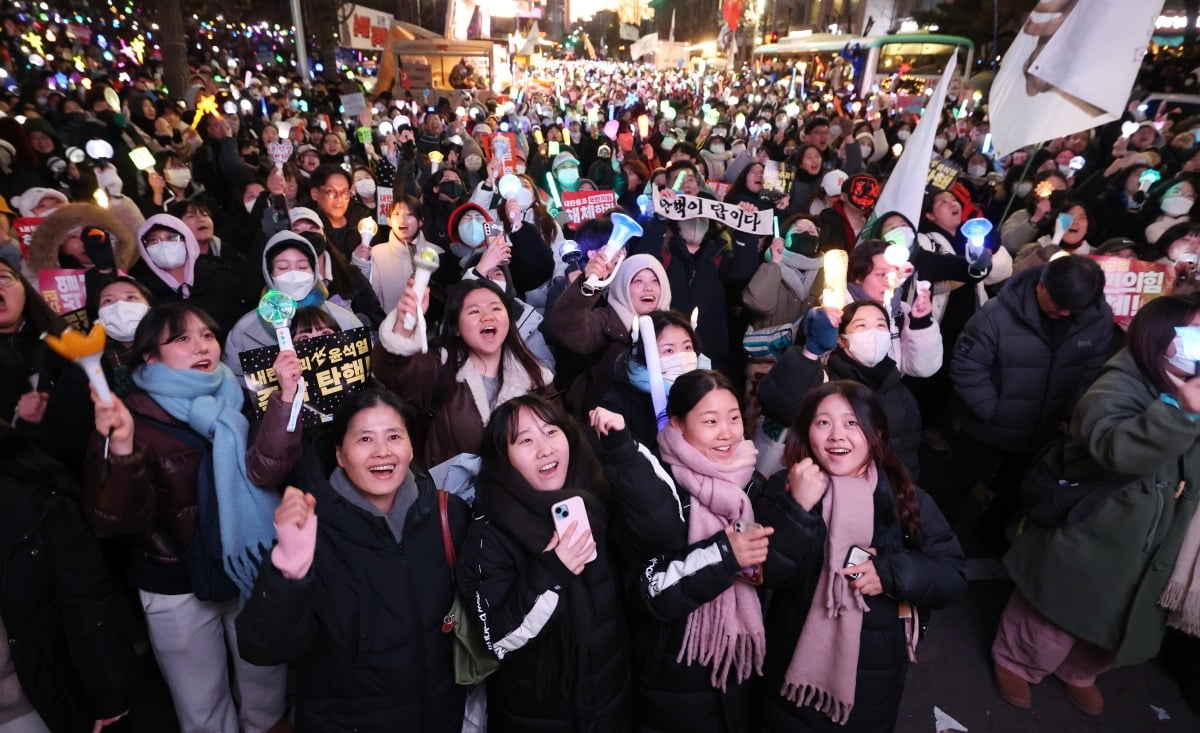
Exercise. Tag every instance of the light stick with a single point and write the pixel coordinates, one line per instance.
(976, 231)
(624, 229)
(101, 197)
(86, 351)
(553, 190)
(895, 255)
(425, 263)
(834, 264)
(658, 389)
(367, 229)
(435, 160)
(277, 309)
(1061, 224)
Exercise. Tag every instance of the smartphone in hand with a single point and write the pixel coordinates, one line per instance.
(856, 556)
(571, 510)
(753, 574)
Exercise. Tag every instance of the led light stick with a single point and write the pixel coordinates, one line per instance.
(277, 309)
(976, 231)
(895, 255)
(553, 190)
(86, 351)
(425, 263)
(1061, 224)
(367, 229)
(101, 197)
(834, 264)
(658, 389)
(624, 229)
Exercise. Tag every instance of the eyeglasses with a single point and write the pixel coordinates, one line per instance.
(337, 195)
(152, 240)
(8, 281)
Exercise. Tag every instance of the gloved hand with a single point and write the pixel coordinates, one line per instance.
(820, 336)
(98, 247)
(981, 266)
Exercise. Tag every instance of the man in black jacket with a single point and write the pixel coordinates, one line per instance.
(1022, 362)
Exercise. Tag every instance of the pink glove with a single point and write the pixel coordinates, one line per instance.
(293, 555)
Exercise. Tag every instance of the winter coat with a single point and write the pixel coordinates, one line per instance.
(392, 265)
(252, 332)
(590, 337)
(666, 579)
(66, 632)
(363, 630)
(931, 577)
(152, 492)
(458, 421)
(783, 389)
(771, 300)
(522, 601)
(1101, 577)
(936, 242)
(50, 234)
(1016, 385)
(635, 406)
(215, 290)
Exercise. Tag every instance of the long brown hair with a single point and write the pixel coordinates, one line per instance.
(873, 422)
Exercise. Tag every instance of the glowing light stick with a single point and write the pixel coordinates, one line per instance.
(1061, 224)
(367, 229)
(425, 263)
(1044, 190)
(1148, 178)
(658, 389)
(624, 229)
(280, 152)
(101, 197)
(277, 309)
(644, 127)
(553, 188)
(976, 231)
(835, 263)
(86, 351)
(206, 105)
(895, 255)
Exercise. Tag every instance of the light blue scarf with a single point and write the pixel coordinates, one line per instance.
(639, 375)
(210, 403)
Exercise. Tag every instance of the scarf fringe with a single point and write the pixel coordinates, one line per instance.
(739, 652)
(818, 699)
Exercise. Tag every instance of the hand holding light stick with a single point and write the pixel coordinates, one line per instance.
(435, 160)
(424, 265)
(624, 229)
(553, 191)
(367, 228)
(86, 351)
(1061, 224)
(835, 263)
(277, 309)
(895, 255)
(658, 389)
(976, 231)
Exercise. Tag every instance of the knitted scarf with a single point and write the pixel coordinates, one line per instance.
(727, 632)
(824, 665)
(798, 272)
(210, 403)
(1181, 597)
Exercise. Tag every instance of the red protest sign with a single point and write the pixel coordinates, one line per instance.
(582, 206)
(719, 188)
(63, 290)
(24, 227)
(504, 149)
(1130, 284)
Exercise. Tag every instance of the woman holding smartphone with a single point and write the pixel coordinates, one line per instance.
(688, 534)
(535, 566)
(858, 552)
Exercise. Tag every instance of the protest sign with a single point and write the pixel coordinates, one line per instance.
(719, 188)
(777, 177)
(682, 206)
(333, 366)
(582, 206)
(384, 197)
(23, 229)
(504, 149)
(353, 105)
(1130, 284)
(942, 174)
(63, 290)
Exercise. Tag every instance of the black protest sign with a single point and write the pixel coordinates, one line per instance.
(777, 177)
(333, 366)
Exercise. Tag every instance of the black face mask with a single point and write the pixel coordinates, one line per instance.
(452, 189)
(803, 243)
(251, 159)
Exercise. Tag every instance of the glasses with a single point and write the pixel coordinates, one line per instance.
(336, 195)
(8, 280)
(152, 240)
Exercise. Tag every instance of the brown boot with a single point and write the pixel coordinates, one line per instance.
(1013, 689)
(1087, 699)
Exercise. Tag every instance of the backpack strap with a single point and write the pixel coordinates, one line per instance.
(447, 540)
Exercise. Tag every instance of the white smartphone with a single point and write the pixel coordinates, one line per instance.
(856, 556)
(571, 510)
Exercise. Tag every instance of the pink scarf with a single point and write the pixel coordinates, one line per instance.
(824, 666)
(726, 632)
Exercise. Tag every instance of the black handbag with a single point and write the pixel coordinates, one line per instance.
(1054, 494)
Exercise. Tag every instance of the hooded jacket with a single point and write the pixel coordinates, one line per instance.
(207, 283)
(532, 260)
(49, 236)
(252, 332)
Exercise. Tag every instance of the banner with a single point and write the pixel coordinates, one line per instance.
(63, 290)
(905, 187)
(581, 206)
(1070, 68)
(333, 366)
(1130, 284)
(777, 177)
(683, 207)
(644, 46)
(366, 28)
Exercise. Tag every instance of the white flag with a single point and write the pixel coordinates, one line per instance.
(1069, 69)
(905, 188)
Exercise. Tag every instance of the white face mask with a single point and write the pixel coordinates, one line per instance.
(473, 162)
(1179, 361)
(940, 143)
(868, 347)
(677, 364)
(718, 149)
(976, 171)
(178, 177)
(168, 255)
(568, 176)
(365, 188)
(470, 231)
(902, 135)
(1022, 189)
(121, 318)
(866, 150)
(296, 284)
(524, 198)
(835, 131)
(1176, 205)
(250, 205)
(693, 230)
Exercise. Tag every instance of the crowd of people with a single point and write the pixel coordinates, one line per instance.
(647, 473)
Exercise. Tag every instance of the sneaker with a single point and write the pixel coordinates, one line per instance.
(1012, 689)
(1087, 699)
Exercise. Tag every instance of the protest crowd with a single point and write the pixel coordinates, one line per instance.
(367, 411)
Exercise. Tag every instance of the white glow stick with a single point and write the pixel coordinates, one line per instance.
(658, 389)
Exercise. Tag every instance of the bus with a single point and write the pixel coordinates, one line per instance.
(901, 63)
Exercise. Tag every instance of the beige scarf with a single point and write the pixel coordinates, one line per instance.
(1182, 595)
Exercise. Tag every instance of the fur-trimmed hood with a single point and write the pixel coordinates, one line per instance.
(49, 236)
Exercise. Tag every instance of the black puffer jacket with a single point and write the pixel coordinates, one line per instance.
(783, 389)
(930, 578)
(364, 628)
(1016, 384)
(649, 525)
(522, 601)
(634, 405)
(67, 635)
